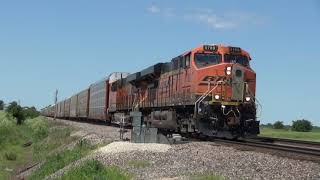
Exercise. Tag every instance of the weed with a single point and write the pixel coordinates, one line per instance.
(139, 163)
(57, 137)
(10, 156)
(60, 160)
(39, 127)
(93, 169)
(206, 176)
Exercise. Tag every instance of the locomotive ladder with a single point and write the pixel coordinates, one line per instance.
(206, 94)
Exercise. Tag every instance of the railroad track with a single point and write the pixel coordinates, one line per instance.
(292, 146)
(289, 141)
(285, 145)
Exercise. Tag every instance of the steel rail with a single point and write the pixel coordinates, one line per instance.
(287, 148)
(271, 139)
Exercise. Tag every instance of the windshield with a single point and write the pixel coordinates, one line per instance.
(203, 60)
(243, 60)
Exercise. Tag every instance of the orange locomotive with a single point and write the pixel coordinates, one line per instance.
(208, 90)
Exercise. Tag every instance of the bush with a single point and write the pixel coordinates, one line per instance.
(16, 111)
(302, 126)
(31, 112)
(278, 125)
(269, 125)
(39, 127)
(6, 127)
(1, 105)
(22, 113)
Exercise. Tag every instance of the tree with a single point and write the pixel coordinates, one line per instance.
(1, 105)
(269, 125)
(302, 125)
(16, 111)
(31, 112)
(278, 125)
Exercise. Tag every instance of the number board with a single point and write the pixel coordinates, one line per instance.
(210, 48)
(235, 50)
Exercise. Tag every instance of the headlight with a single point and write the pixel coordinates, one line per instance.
(217, 97)
(228, 70)
(248, 98)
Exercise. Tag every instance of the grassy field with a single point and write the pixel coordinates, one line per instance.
(314, 135)
(12, 137)
(46, 137)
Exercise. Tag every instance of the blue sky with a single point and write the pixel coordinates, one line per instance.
(68, 44)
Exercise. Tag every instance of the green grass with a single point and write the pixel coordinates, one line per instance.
(43, 134)
(314, 135)
(206, 176)
(139, 163)
(12, 137)
(316, 129)
(56, 139)
(93, 169)
(61, 159)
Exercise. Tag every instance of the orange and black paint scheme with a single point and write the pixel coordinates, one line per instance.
(208, 90)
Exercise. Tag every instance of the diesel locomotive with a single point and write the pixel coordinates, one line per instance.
(208, 90)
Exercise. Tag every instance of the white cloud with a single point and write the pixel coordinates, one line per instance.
(211, 20)
(153, 9)
(168, 12)
(206, 16)
(227, 20)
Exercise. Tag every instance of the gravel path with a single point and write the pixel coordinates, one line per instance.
(179, 161)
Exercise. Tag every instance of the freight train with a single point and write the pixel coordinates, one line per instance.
(208, 90)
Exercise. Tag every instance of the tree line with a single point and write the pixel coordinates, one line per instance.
(301, 125)
(18, 112)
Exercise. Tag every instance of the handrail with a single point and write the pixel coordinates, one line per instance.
(140, 102)
(258, 104)
(205, 95)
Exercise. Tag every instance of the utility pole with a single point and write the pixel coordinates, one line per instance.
(55, 104)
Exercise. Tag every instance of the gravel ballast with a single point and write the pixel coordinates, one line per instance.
(185, 159)
(121, 147)
(181, 160)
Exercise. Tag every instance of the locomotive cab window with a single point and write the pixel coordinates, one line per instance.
(240, 59)
(203, 59)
